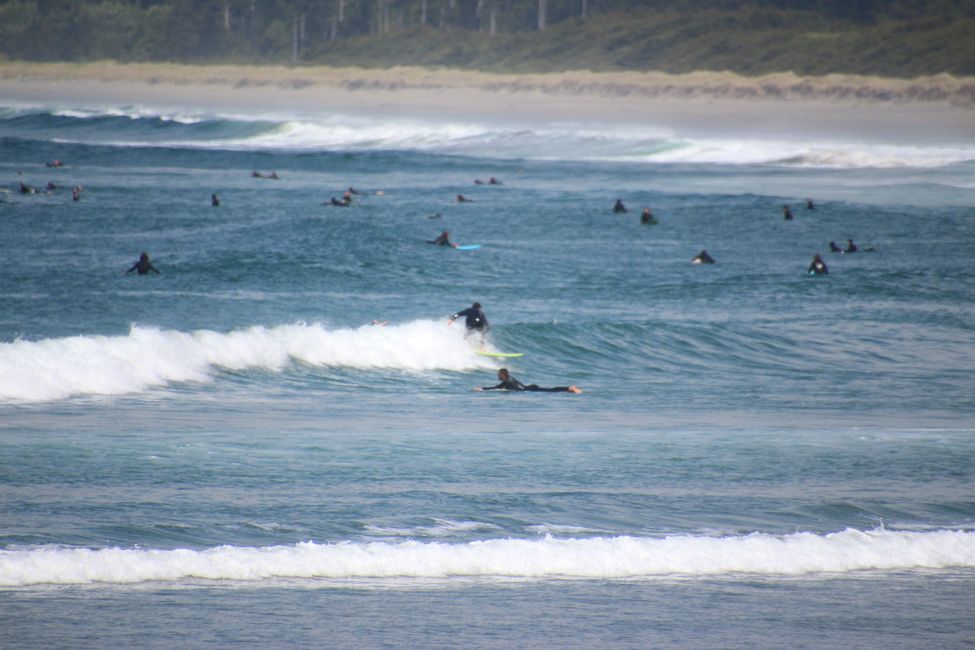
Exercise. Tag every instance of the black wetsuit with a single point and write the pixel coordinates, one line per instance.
(474, 318)
(143, 267)
(442, 240)
(513, 384)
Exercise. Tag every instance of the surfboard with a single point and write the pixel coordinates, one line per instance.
(469, 247)
(500, 355)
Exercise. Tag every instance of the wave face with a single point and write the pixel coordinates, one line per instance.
(139, 126)
(606, 558)
(53, 369)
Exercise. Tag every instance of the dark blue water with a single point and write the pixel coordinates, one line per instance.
(231, 452)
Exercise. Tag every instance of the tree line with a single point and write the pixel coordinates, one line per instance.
(485, 33)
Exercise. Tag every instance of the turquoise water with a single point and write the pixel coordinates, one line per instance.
(232, 453)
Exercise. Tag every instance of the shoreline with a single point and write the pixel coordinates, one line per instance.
(938, 108)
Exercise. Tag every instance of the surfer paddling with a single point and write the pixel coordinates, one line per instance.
(442, 240)
(510, 383)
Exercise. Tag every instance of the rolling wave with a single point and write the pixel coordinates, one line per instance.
(139, 126)
(596, 558)
(55, 369)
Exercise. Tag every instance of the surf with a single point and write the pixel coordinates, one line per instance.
(600, 558)
(149, 357)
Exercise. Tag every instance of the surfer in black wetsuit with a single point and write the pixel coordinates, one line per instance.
(818, 266)
(442, 240)
(474, 318)
(647, 216)
(850, 247)
(215, 200)
(143, 266)
(618, 207)
(834, 248)
(702, 258)
(510, 383)
(787, 213)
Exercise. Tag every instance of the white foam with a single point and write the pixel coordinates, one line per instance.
(595, 558)
(54, 369)
(441, 528)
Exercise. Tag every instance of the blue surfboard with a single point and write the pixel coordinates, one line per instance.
(469, 247)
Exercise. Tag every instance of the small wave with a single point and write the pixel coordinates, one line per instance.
(441, 528)
(594, 558)
(55, 369)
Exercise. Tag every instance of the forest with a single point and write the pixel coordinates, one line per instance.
(895, 38)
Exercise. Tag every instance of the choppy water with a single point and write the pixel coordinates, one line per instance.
(231, 453)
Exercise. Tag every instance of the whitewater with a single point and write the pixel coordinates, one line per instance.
(276, 440)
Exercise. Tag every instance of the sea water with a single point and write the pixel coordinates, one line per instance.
(274, 442)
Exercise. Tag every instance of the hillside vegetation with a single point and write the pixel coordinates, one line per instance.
(892, 38)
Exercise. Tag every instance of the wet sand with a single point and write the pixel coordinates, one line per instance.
(937, 109)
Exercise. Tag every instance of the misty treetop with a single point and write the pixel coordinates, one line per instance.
(886, 37)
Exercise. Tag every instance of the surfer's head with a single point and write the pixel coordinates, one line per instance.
(503, 374)
(477, 305)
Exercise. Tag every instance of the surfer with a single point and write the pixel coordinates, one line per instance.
(26, 189)
(787, 213)
(215, 200)
(833, 248)
(143, 266)
(810, 205)
(76, 193)
(817, 266)
(54, 163)
(442, 240)
(510, 383)
(474, 318)
(647, 216)
(702, 258)
(463, 199)
(850, 247)
(618, 207)
(493, 181)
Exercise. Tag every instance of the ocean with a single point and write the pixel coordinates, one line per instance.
(274, 442)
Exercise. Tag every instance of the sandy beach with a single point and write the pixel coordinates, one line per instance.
(936, 109)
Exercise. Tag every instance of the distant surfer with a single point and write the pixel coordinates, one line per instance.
(493, 181)
(810, 205)
(787, 213)
(26, 189)
(850, 247)
(272, 175)
(442, 240)
(817, 266)
(76, 193)
(55, 163)
(702, 258)
(143, 266)
(618, 207)
(510, 383)
(344, 203)
(647, 216)
(463, 199)
(215, 200)
(833, 248)
(474, 318)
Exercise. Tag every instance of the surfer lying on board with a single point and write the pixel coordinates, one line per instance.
(510, 383)
(442, 240)
(474, 318)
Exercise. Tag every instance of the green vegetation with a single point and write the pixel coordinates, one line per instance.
(894, 38)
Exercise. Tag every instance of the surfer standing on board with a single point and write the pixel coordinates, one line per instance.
(474, 318)
(510, 383)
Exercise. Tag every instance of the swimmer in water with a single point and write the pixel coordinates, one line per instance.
(817, 266)
(618, 207)
(510, 383)
(787, 213)
(143, 266)
(702, 258)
